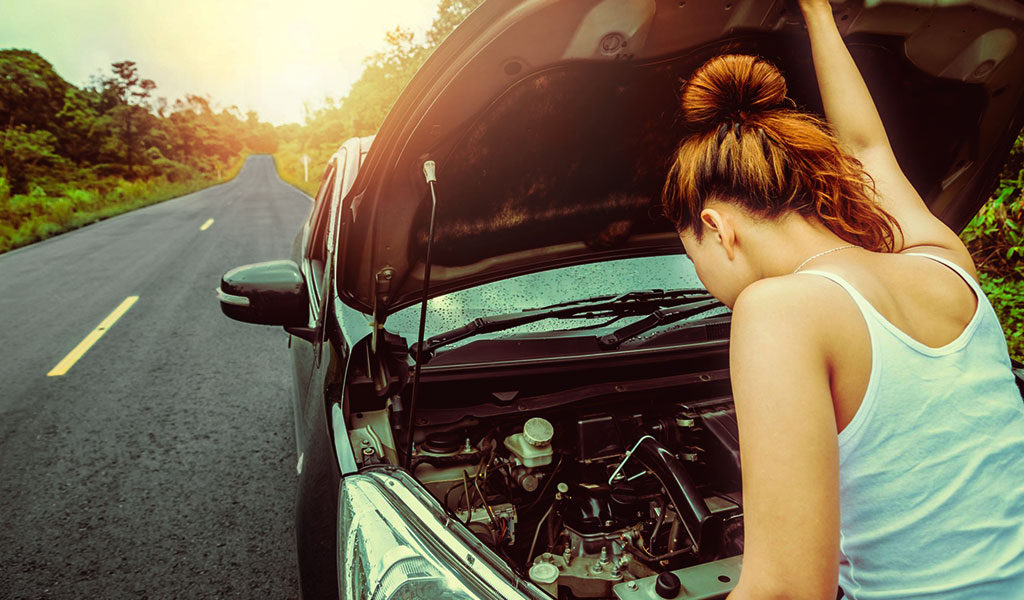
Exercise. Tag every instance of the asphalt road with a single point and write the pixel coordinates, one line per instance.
(162, 464)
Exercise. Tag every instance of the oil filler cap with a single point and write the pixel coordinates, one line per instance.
(667, 585)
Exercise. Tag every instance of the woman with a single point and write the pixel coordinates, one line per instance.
(882, 433)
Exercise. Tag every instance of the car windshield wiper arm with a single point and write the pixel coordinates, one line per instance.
(624, 304)
(665, 296)
(656, 319)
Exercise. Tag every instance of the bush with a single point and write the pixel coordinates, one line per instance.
(173, 170)
(28, 218)
(45, 229)
(1005, 296)
(995, 237)
(61, 211)
(111, 170)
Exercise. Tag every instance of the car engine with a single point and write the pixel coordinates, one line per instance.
(605, 505)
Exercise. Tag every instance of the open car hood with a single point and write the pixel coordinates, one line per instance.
(552, 124)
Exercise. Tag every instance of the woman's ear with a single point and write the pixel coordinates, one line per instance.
(721, 230)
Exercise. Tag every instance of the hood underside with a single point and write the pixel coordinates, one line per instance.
(553, 123)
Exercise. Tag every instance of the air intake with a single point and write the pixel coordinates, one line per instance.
(717, 331)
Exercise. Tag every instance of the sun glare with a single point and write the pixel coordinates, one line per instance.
(271, 57)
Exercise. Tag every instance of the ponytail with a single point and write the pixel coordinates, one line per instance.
(751, 148)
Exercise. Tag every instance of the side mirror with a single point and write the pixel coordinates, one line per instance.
(270, 293)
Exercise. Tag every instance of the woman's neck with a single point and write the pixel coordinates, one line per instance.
(778, 247)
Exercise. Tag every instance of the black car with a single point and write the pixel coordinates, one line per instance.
(560, 422)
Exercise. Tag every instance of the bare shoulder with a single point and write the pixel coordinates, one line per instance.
(797, 296)
(957, 255)
(791, 309)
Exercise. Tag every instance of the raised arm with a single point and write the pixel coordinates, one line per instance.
(852, 113)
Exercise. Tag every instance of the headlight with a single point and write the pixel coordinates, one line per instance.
(396, 542)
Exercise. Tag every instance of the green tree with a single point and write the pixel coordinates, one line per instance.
(130, 95)
(26, 155)
(259, 137)
(31, 92)
(78, 127)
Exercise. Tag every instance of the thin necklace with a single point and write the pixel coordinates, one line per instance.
(836, 249)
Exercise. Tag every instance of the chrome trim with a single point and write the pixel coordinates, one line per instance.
(342, 444)
(232, 299)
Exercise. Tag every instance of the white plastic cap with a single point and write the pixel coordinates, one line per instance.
(538, 431)
(429, 171)
(543, 573)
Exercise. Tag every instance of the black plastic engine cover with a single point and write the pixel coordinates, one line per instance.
(598, 436)
(600, 510)
(724, 442)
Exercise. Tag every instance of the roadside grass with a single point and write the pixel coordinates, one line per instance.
(41, 214)
(233, 168)
(288, 160)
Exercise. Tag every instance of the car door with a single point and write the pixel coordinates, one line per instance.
(311, 258)
(317, 467)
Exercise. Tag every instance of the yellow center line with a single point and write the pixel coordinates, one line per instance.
(68, 361)
(206, 225)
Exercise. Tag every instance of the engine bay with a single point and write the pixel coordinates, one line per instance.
(640, 501)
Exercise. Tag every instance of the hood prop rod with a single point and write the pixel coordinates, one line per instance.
(430, 175)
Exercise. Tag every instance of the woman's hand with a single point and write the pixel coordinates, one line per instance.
(811, 4)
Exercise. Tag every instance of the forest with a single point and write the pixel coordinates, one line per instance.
(70, 156)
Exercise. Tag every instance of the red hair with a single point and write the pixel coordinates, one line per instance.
(752, 149)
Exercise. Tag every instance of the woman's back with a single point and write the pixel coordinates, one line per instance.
(931, 479)
(924, 299)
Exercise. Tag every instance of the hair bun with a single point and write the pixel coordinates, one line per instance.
(732, 87)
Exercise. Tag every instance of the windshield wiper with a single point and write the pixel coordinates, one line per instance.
(665, 296)
(630, 303)
(655, 319)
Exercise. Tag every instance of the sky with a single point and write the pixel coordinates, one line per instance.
(268, 56)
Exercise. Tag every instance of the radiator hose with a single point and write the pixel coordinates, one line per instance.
(701, 526)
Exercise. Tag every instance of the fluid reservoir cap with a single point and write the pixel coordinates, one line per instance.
(544, 573)
(538, 431)
(667, 585)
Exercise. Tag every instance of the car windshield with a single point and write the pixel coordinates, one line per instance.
(544, 288)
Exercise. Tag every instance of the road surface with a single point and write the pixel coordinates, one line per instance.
(161, 464)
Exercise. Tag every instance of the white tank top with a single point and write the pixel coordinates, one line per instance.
(931, 467)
